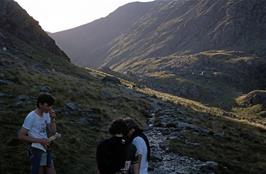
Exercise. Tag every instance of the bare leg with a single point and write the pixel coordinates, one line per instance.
(50, 170)
(41, 170)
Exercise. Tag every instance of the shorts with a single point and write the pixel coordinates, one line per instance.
(39, 158)
(43, 161)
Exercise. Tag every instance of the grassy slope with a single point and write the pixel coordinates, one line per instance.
(32, 68)
(235, 140)
(215, 78)
(241, 148)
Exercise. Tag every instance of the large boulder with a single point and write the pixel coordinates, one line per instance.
(111, 80)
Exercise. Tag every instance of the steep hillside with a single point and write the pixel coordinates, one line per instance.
(15, 22)
(162, 28)
(88, 45)
(198, 138)
(31, 63)
(192, 26)
(209, 51)
(215, 78)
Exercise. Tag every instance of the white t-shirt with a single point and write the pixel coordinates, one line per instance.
(142, 150)
(37, 126)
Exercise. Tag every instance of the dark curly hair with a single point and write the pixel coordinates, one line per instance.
(118, 127)
(131, 124)
(45, 98)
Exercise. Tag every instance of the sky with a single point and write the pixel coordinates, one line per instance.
(58, 15)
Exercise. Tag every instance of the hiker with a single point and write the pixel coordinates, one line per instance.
(115, 155)
(34, 131)
(137, 137)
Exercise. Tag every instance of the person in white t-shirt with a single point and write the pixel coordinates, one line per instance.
(34, 131)
(141, 142)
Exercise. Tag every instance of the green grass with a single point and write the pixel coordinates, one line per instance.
(75, 151)
(214, 78)
(241, 148)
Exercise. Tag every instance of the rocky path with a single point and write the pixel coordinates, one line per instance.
(164, 124)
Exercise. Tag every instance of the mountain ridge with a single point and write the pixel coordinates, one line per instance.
(15, 22)
(207, 139)
(185, 26)
(119, 21)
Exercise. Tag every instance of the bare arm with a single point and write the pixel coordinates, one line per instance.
(23, 136)
(136, 165)
(52, 125)
(98, 171)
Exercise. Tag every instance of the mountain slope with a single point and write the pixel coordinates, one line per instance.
(15, 22)
(88, 100)
(193, 26)
(215, 78)
(171, 27)
(164, 43)
(31, 63)
(88, 45)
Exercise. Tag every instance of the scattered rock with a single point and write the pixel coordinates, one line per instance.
(3, 94)
(72, 106)
(40, 68)
(208, 167)
(5, 82)
(45, 89)
(194, 127)
(111, 80)
(166, 126)
(253, 98)
(22, 98)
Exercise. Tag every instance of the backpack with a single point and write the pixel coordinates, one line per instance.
(111, 155)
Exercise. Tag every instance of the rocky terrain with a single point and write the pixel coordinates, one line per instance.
(186, 139)
(164, 161)
(16, 23)
(186, 136)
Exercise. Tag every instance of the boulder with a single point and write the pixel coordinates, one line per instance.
(111, 80)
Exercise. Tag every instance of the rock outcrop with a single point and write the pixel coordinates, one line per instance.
(16, 23)
(253, 98)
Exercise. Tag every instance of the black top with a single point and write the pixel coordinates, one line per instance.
(112, 154)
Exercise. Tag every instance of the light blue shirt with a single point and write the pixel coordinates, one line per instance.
(142, 150)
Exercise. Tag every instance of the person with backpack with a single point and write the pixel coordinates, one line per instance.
(34, 131)
(115, 155)
(137, 137)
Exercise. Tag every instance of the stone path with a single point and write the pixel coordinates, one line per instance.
(163, 126)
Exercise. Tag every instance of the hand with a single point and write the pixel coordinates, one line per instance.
(52, 114)
(44, 142)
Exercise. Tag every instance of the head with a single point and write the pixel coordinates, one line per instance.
(118, 127)
(45, 102)
(132, 126)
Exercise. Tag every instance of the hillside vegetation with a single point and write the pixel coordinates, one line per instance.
(162, 28)
(194, 124)
(209, 51)
(215, 78)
